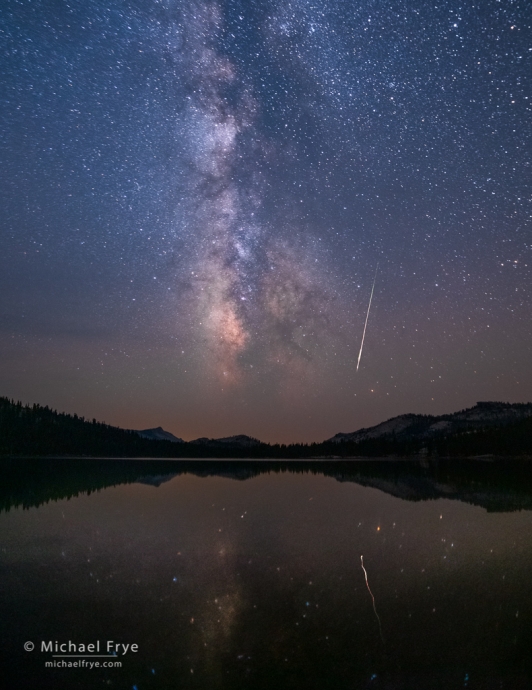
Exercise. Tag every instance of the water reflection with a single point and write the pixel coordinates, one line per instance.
(497, 485)
(259, 584)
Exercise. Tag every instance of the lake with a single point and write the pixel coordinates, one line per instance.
(252, 574)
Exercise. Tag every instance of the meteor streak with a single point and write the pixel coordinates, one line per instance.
(367, 317)
(372, 597)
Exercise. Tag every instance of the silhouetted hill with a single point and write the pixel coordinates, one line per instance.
(498, 429)
(33, 430)
(241, 441)
(420, 426)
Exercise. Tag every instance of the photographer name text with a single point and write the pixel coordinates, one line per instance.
(106, 647)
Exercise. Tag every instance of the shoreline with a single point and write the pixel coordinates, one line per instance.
(356, 458)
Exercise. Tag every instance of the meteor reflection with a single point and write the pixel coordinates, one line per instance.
(372, 598)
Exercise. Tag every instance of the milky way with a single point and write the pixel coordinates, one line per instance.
(249, 283)
(196, 194)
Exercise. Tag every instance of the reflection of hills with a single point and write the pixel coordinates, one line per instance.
(504, 485)
(156, 479)
(415, 488)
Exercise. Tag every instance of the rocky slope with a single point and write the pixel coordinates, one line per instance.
(416, 426)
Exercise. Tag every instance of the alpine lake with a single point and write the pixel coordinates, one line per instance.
(229, 575)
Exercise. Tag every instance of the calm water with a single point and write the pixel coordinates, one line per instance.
(244, 578)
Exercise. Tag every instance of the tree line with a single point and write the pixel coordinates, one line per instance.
(34, 430)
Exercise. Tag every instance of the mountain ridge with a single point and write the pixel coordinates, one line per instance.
(424, 426)
(401, 427)
(488, 428)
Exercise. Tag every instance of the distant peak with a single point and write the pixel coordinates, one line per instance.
(158, 434)
(238, 440)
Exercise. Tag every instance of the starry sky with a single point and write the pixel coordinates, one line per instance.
(196, 198)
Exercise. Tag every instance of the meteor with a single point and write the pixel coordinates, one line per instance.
(367, 317)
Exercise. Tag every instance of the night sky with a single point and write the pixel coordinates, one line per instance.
(195, 198)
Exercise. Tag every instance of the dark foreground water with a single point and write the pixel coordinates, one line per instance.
(249, 575)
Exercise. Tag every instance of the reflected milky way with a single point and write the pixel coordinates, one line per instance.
(228, 584)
